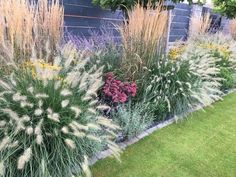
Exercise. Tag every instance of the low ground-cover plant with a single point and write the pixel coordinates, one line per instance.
(132, 119)
(50, 118)
(115, 91)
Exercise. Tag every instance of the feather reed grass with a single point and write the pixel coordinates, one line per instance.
(199, 24)
(232, 28)
(26, 24)
(142, 38)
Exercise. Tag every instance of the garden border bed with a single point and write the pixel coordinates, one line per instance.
(123, 145)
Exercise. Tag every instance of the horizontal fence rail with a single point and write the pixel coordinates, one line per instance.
(82, 17)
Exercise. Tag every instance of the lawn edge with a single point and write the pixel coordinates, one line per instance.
(123, 145)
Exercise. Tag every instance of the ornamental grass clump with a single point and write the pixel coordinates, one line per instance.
(143, 38)
(101, 47)
(232, 28)
(30, 24)
(222, 48)
(175, 86)
(199, 24)
(50, 118)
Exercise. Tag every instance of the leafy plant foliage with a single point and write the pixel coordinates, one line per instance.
(226, 7)
(132, 119)
(128, 4)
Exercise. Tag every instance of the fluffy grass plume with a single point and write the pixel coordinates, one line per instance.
(221, 47)
(142, 38)
(48, 126)
(176, 86)
(199, 24)
(232, 28)
(26, 24)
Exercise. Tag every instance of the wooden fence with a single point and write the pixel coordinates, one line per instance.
(179, 22)
(82, 17)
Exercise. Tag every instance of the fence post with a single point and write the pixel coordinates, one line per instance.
(169, 6)
(225, 25)
(168, 29)
(197, 10)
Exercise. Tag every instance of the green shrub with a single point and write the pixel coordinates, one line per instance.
(127, 4)
(50, 120)
(132, 119)
(228, 81)
(109, 58)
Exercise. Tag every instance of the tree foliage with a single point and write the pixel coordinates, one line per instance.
(126, 4)
(226, 7)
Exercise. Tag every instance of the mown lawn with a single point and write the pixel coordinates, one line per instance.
(203, 145)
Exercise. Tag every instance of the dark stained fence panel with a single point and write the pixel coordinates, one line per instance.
(180, 22)
(79, 2)
(82, 17)
(215, 19)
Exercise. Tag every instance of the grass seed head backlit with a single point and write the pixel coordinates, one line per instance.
(41, 113)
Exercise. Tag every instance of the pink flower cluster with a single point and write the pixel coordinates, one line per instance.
(116, 91)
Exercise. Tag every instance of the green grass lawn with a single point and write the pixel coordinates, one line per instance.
(203, 145)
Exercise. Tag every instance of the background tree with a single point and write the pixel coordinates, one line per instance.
(127, 4)
(226, 7)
